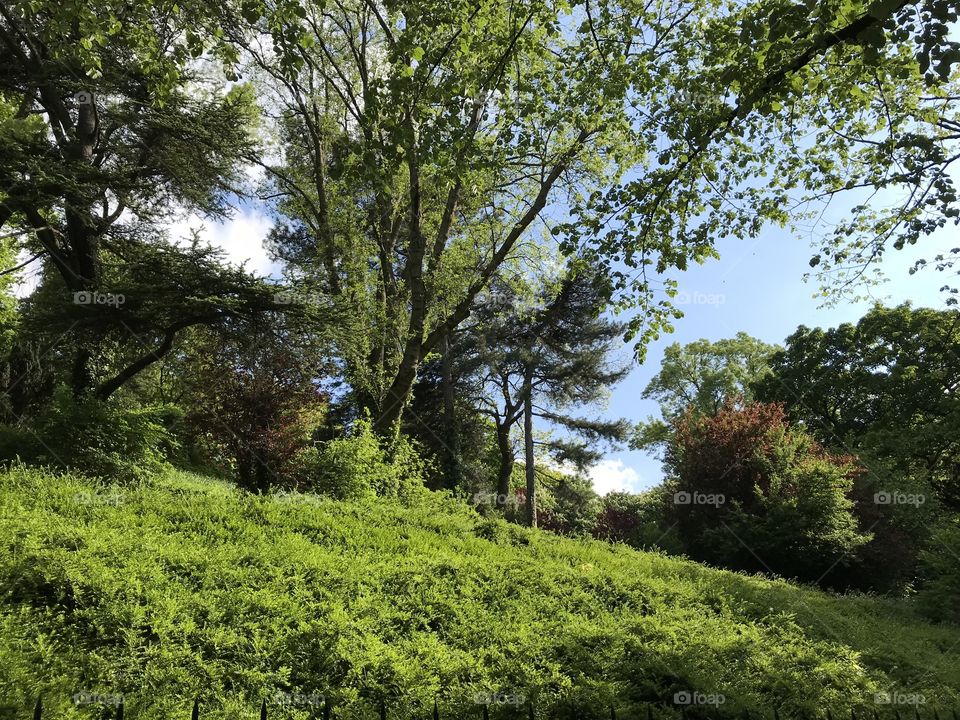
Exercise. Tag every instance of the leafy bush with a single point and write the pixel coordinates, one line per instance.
(100, 439)
(18, 442)
(360, 465)
(751, 493)
(939, 598)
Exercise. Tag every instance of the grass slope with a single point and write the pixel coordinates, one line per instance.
(188, 588)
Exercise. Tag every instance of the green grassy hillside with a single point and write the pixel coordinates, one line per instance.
(184, 587)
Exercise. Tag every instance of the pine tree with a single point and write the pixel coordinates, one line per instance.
(545, 360)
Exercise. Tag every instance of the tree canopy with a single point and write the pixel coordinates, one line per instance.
(419, 147)
(885, 387)
(700, 378)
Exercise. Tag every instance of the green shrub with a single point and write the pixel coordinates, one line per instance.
(360, 465)
(889, 563)
(100, 439)
(17, 442)
(567, 503)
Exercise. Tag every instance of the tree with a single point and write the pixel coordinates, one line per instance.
(885, 388)
(752, 493)
(568, 503)
(107, 129)
(9, 320)
(640, 520)
(886, 126)
(701, 377)
(940, 591)
(423, 144)
(542, 361)
(444, 420)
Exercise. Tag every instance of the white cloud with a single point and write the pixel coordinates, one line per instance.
(241, 237)
(612, 475)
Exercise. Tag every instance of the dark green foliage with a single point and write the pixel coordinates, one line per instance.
(188, 588)
(252, 397)
(886, 389)
(100, 439)
(462, 448)
(939, 596)
(543, 351)
(110, 130)
(639, 520)
(561, 350)
(568, 503)
(889, 562)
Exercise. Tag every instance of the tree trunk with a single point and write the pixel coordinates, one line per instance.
(451, 433)
(507, 461)
(244, 468)
(83, 239)
(263, 476)
(398, 395)
(81, 378)
(528, 450)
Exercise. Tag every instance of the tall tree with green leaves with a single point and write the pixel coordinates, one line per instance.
(108, 127)
(423, 146)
